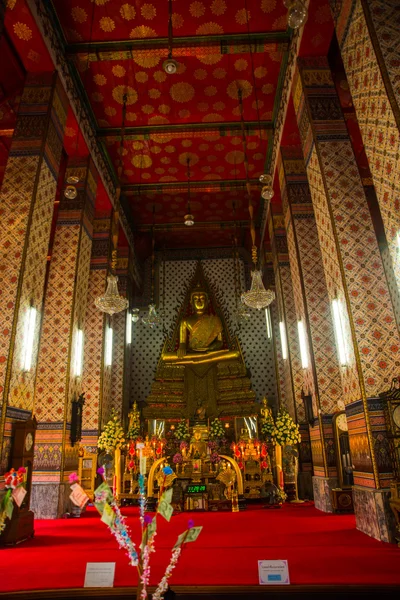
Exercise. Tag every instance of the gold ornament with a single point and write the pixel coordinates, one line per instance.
(218, 7)
(160, 76)
(183, 158)
(242, 16)
(200, 74)
(120, 90)
(268, 88)
(197, 9)
(219, 73)
(148, 11)
(164, 109)
(209, 28)
(210, 90)
(212, 118)
(268, 6)
(177, 21)
(260, 72)
(210, 59)
(235, 157)
(182, 92)
(100, 79)
(78, 14)
(147, 109)
(241, 64)
(100, 2)
(107, 24)
(22, 31)
(141, 77)
(118, 71)
(141, 161)
(154, 93)
(243, 84)
(142, 31)
(147, 61)
(130, 116)
(127, 12)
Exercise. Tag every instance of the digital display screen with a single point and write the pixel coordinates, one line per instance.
(196, 489)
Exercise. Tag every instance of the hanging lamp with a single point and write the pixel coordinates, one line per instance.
(188, 219)
(111, 302)
(257, 297)
(170, 65)
(152, 319)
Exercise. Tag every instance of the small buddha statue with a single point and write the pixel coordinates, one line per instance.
(265, 410)
(197, 452)
(200, 335)
(198, 448)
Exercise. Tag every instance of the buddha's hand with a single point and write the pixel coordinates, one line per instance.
(181, 350)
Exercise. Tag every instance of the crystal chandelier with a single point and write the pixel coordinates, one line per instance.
(152, 319)
(258, 297)
(112, 303)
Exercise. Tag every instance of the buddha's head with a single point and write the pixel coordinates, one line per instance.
(199, 299)
(197, 435)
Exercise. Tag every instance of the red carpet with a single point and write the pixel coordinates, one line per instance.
(321, 549)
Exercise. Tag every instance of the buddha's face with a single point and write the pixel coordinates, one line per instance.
(197, 435)
(199, 301)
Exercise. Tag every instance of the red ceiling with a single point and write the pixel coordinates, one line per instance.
(26, 37)
(119, 19)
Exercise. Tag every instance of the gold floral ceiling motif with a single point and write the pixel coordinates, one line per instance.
(148, 11)
(197, 9)
(120, 90)
(142, 31)
(127, 12)
(218, 7)
(182, 92)
(22, 31)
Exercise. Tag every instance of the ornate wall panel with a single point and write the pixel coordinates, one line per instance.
(26, 207)
(333, 174)
(147, 344)
(371, 65)
(64, 314)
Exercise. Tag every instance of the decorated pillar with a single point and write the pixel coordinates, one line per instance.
(290, 357)
(27, 198)
(322, 375)
(368, 33)
(95, 322)
(59, 375)
(356, 280)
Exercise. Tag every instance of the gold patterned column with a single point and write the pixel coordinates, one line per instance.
(286, 309)
(57, 381)
(368, 34)
(93, 365)
(27, 198)
(313, 307)
(354, 275)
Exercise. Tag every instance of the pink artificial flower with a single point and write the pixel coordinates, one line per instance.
(73, 478)
(22, 470)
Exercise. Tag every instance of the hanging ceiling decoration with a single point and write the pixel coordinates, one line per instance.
(188, 219)
(170, 65)
(297, 13)
(241, 312)
(112, 303)
(152, 319)
(257, 297)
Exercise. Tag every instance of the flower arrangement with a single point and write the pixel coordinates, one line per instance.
(107, 506)
(112, 436)
(12, 480)
(217, 431)
(286, 431)
(177, 458)
(267, 426)
(182, 431)
(215, 458)
(183, 446)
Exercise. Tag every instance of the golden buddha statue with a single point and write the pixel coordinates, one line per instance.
(198, 447)
(200, 335)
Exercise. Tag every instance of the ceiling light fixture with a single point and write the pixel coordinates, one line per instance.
(297, 13)
(170, 65)
(111, 302)
(257, 297)
(188, 219)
